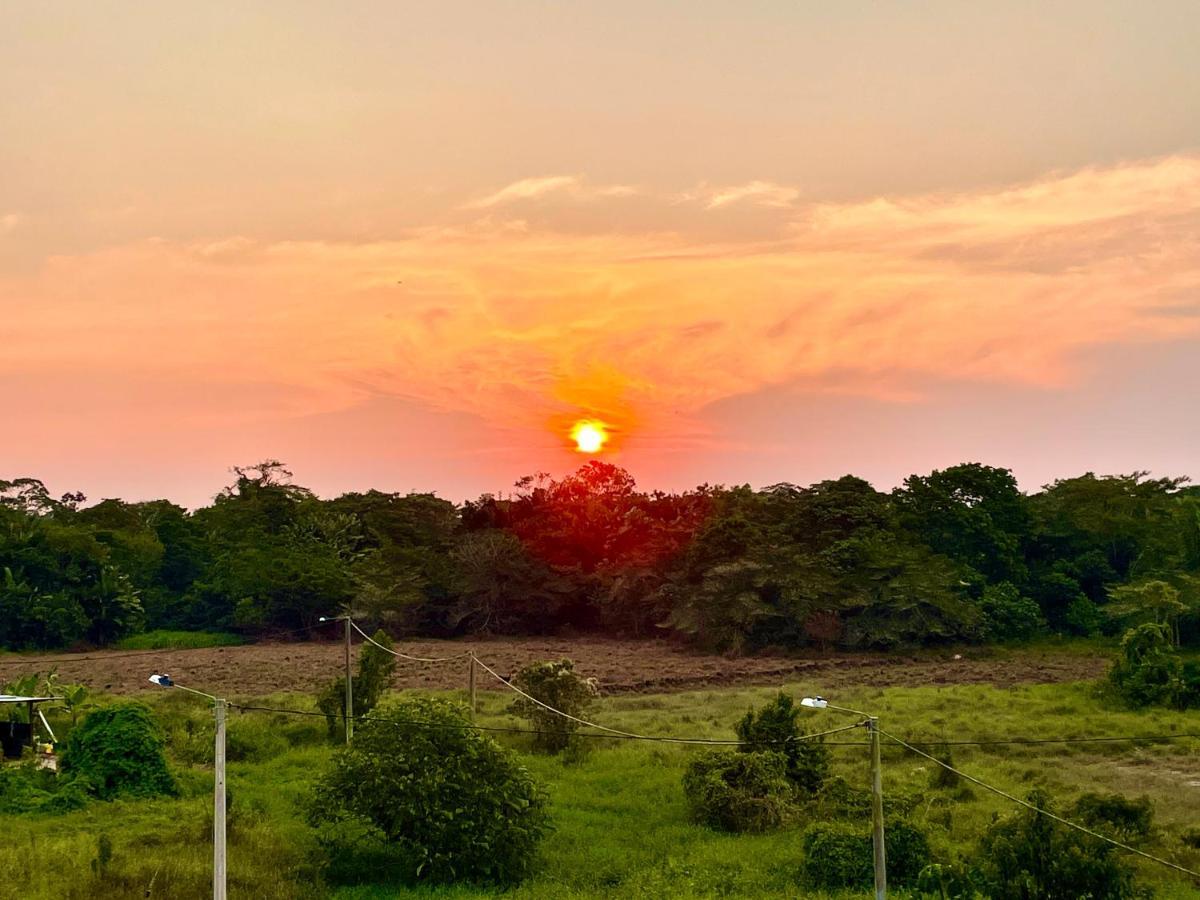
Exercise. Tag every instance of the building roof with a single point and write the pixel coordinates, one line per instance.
(13, 698)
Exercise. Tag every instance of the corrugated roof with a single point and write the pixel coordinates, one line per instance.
(13, 698)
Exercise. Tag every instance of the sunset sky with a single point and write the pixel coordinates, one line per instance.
(408, 245)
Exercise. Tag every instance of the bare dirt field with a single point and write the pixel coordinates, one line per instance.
(620, 666)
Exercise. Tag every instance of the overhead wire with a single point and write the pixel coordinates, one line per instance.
(425, 659)
(1039, 810)
(470, 726)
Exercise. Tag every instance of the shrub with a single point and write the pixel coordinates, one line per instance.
(740, 791)
(27, 789)
(556, 684)
(119, 750)
(375, 668)
(445, 802)
(1115, 815)
(1028, 855)
(838, 799)
(1083, 617)
(775, 727)
(1007, 616)
(1148, 671)
(841, 855)
(947, 882)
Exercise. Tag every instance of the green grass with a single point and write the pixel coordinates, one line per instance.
(621, 822)
(178, 640)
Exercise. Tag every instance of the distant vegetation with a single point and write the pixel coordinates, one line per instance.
(960, 554)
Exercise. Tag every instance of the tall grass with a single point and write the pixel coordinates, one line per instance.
(622, 825)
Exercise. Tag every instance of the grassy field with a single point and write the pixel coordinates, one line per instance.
(621, 822)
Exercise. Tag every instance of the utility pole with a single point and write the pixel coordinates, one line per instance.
(219, 706)
(349, 686)
(219, 804)
(877, 811)
(471, 685)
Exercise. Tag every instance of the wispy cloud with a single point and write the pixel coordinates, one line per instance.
(760, 193)
(530, 188)
(522, 326)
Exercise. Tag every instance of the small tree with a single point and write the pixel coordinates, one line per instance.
(119, 750)
(740, 792)
(775, 727)
(1029, 855)
(449, 801)
(375, 668)
(556, 684)
(1148, 671)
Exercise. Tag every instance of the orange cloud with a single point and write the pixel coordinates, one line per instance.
(531, 327)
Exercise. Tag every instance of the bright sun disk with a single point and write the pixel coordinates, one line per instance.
(589, 437)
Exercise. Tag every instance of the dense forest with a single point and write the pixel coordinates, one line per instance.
(960, 554)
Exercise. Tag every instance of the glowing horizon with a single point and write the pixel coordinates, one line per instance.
(784, 264)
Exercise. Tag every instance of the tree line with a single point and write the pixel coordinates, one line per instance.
(960, 554)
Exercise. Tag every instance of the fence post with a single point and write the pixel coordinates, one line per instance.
(471, 685)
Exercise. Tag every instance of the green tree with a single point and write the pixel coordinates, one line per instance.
(449, 801)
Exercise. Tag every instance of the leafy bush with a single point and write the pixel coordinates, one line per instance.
(27, 789)
(179, 640)
(947, 882)
(1149, 672)
(1007, 616)
(1028, 855)
(444, 802)
(841, 854)
(838, 799)
(119, 750)
(1083, 617)
(740, 791)
(775, 727)
(375, 668)
(1115, 816)
(557, 684)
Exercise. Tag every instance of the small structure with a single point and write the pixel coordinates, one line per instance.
(14, 735)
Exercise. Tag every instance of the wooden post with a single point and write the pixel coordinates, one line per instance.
(349, 687)
(219, 804)
(471, 685)
(877, 812)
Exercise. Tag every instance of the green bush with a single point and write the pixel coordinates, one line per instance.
(557, 684)
(1148, 672)
(740, 792)
(841, 855)
(775, 727)
(1115, 816)
(27, 789)
(1029, 855)
(441, 802)
(178, 640)
(119, 750)
(375, 668)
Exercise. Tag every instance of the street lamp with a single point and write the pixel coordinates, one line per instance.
(165, 680)
(872, 723)
(349, 678)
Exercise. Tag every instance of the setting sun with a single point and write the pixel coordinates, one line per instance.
(589, 437)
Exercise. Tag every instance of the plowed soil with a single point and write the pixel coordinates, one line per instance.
(620, 666)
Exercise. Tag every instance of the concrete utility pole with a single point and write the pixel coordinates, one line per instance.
(471, 685)
(219, 804)
(349, 687)
(219, 706)
(877, 812)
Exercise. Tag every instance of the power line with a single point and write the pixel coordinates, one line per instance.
(467, 726)
(1083, 740)
(1047, 813)
(426, 659)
